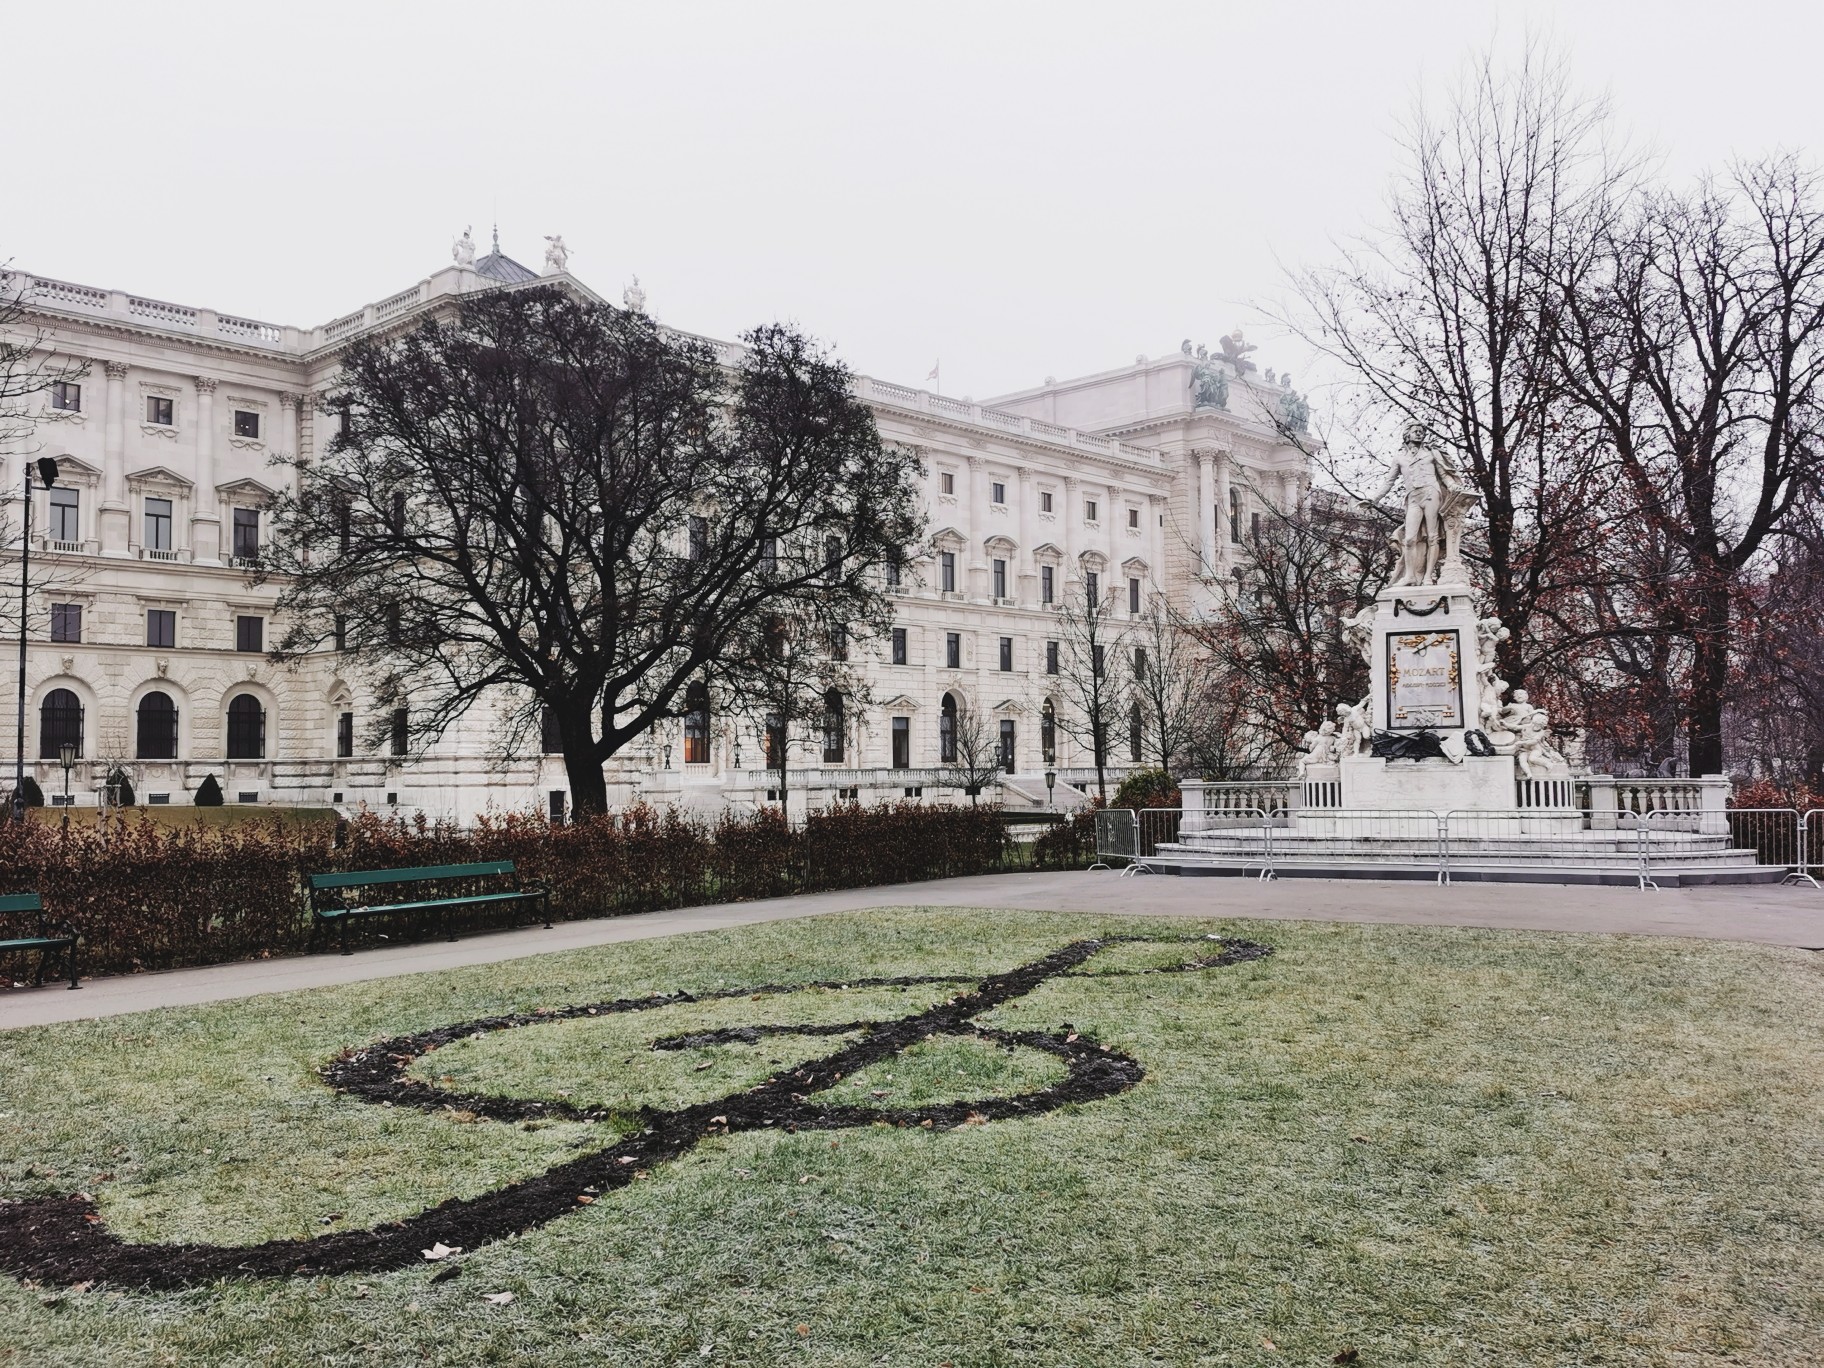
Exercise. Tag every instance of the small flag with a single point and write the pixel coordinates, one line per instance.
(933, 374)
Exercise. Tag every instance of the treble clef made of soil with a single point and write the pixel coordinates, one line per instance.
(63, 1240)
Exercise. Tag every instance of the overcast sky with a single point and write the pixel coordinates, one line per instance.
(1021, 190)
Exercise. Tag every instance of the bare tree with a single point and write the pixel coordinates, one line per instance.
(1170, 686)
(542, 502)
(802, 683)
(1094, 681)
(974, 748)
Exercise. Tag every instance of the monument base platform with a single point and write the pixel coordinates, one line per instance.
(1482, 783)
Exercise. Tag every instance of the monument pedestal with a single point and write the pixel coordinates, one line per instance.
(1481, 783)
(1422, 659)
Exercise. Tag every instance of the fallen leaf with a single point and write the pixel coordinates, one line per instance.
(441, 1251)
(585, 1200)
(1266, 1343)
(1344, 1356)
(718, 1120)
(1359, 1139)
(497, 1298)
(880, 1092)
(704, 1065)
(804, 1329)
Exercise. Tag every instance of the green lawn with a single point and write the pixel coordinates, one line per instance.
(1438, 1147)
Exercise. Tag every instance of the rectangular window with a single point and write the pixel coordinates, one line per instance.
(999, 495)
(66, 395)
(892, 570)
(401, 730)
(1006, 654)
(769, 555)
(1044, 501)
(345, 524)
(947, 568)
(1007, 744)
(158, 410)
(247, 534)
(161, 627)
(341, 631)
(158, 524)
(1140, 662)
(953, 650)
(1133, 518)
(246, 424)
(699, 538)
(1089, 510)
(550, 734)
(902, 743)
(248, 633)
(1051, 657)
(65, 520)
(899, 645)
(839, 642)
(1254, 526)
(946, 483)
(1048, 589)
(1092, 587)
(559, 806)
(1098, 654)
(66, 622)
(1133, 595)
(398, 518)
(345, 735)
(1235, 515)
(1000, 578)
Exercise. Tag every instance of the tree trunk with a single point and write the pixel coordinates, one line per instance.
(588, 785)
(1709, 683)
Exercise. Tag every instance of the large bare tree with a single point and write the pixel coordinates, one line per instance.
(542, 502)
(1094, 679)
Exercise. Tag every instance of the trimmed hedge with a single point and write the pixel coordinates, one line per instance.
(149, 897)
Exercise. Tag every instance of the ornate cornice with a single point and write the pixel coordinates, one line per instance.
(205, 384)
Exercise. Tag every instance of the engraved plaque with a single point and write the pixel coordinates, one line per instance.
(1424, 680)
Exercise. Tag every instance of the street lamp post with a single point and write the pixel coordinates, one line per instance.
(67, 753)
(47, 471)
(1051, 779)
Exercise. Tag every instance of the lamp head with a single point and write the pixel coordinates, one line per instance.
(68, 752)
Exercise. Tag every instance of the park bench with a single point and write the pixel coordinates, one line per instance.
(330, 896)
(19, 909)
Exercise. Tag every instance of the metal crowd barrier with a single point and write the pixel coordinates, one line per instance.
(1811, 845)
(1776, 836)
(1117, 838)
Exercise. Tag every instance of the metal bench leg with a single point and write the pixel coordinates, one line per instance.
(73, 984)
(342, 933)
(545, 902)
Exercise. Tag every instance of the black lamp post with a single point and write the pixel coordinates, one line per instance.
(47, 471)
(1051, 779)
(67, 753)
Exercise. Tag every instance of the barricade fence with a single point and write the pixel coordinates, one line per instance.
(1811, 837)
(1775, 837)
(1117, 837)
(1513, 838)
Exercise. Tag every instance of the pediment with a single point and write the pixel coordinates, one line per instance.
(246, 488)
(1134, 565)
(159, 475)
(1008, 705)
(1048, 549)
(74, 467)
(902, 704)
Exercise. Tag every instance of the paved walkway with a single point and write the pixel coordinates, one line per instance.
(1772, 915)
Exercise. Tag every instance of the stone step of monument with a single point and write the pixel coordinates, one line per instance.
(1742, 869)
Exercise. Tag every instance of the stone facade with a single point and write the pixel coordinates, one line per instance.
(1147, 476)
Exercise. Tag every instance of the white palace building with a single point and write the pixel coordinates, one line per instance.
(147, 639)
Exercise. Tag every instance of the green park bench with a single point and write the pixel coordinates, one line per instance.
(330, 899)
(21, 909)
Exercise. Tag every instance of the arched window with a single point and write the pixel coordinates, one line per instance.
(1136, 732)
(1048, 733)
(946, 731)
(832, 728)
(696, 724)
(59, 723)
(775, 741)
(246, 728)
(157, 727)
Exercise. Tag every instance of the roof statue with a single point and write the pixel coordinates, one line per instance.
(634, 297)
(1235, 349)
(1209, 384)
(557, 256)
(1437, 503)
(462, 251)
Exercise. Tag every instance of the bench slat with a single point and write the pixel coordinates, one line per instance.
(36, 942)
(331, 913)
(21, 902)
(362, 878)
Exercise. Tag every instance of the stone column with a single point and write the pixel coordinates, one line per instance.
(1073, 515)
(114, 523)
(1155, 537)
(1216, 518)
(1205, 492)
(1115, 521)
(205, 516)
(977, 563)
(1027, 579)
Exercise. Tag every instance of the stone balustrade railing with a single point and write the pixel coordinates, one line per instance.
(66, 297)
(923, 401)
(1672, 804)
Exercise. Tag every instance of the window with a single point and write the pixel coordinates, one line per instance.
(1133, 518)
(400, 731)
(946, 482)
(65, 522)
(246, 424)
(158, 524)
(1006, 654)
(249, 633)
(66, 622)
(999, 495)
(161, 626)
(395, 623)
(59, 724)
(832, 558)
(892, 569)
(1051, 657)
(775, 748)
(772, 642)
(246, 728)
(1044, 501)
(1007, 744)
(1048, 733)
(1097, 654)
(832, 728)
(1133, 595)
(341, 631)
(953, 650)
(899, 645)
(946, 731)
(1136, 732)
(550, 735)
(398, 518)
(1089, 510)
(839, 642)
(696, 724)
(345, 735)
(1235, 515)
(769, 555)
(1140, 662)
(559, 804)
(247, 534)
(1048, 588)
(157, 718)
(66, 395)
(1092, 588)
(158, 410)
(699, 538)
(947, 567)
(345, 524)
(902, 743)
(1000, 578)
